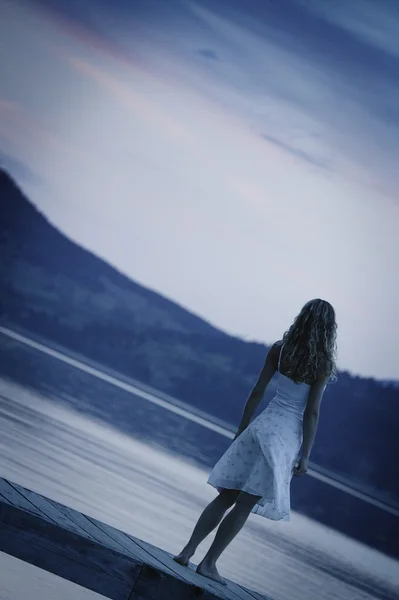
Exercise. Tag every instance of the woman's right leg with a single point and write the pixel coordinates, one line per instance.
(208, 521)
(228, 529)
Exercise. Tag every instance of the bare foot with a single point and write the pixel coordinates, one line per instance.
(183, 558)
(211, 572)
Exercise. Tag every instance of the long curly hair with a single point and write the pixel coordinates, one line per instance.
(310, 343)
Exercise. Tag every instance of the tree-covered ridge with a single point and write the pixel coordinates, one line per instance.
(51, 286)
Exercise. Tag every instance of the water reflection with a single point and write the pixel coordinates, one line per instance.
(157, 496)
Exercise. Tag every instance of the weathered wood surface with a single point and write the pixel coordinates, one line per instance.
(96, 556)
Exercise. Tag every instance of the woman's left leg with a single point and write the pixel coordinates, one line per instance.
(227, 531)
(208, 521)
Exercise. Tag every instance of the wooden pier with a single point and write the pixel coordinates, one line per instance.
(78, 548)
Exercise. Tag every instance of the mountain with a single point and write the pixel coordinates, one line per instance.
(54, 288)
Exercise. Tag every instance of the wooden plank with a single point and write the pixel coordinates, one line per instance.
(231, 591)
(52, 512)
(66, 554)
(90, 529)
(110, 536)
(157, 575)
(255, 595)
(131, 546)
(74, 521)
(244, 593)
(14, 498)
(162, 586)
(188, 574)
(162, 561)
(18, 496)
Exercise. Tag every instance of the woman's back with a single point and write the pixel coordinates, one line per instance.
(290, 396)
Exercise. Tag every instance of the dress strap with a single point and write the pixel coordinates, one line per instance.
(279, 358)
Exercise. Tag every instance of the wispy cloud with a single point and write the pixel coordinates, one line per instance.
(298, 72)
(208, 53)
(374, 23)
(20, 129)
(298, 153)
(217, 150)
(290, 68)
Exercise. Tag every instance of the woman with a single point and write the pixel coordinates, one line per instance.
(255, 472)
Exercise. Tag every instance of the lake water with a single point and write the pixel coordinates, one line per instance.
(156, 495)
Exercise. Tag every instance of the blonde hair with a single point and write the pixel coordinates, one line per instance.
(310, 343)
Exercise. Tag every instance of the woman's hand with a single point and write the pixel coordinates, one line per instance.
(302, 467)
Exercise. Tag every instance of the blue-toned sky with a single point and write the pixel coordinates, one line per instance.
(238, 156)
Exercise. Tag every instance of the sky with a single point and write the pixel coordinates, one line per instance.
(238, 157)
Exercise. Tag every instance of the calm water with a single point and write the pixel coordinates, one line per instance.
(155, 495)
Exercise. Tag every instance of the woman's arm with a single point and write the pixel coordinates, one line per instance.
(310, 422)
(268, 370)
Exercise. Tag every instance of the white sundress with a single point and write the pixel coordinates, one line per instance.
(261, 460)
